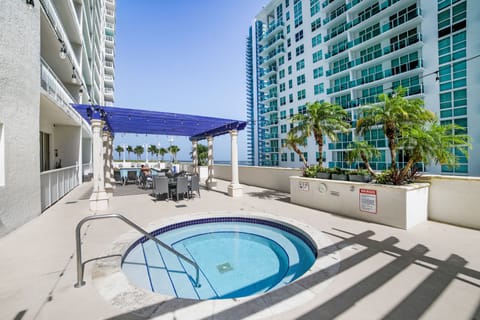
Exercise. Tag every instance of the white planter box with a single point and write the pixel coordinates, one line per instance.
(397, 206)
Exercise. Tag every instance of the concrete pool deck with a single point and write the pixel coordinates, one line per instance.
(369, 271)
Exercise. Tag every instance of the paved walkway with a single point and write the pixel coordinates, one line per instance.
(370, 271)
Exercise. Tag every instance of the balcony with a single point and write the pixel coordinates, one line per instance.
(404, 43)
(386, 28)
(268, 59)
(53, 86)
(272, 43)
(335, 14)
(273, 28)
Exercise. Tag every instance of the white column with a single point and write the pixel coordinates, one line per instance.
(80, 155)
(234, 189)
(195, 156)
(146, 154)
(110, 152)
(106, 160)
(124, 154)
(211, 183)
(99, 198)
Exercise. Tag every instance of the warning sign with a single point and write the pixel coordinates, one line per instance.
(368, 200)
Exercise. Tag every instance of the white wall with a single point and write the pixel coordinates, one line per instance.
(265, 177)
(454, 200)
(67, 142)
(19, 112)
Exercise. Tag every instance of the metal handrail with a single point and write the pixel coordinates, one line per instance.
(80, 265)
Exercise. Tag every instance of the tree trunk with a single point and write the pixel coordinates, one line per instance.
(367, 164)
(300, 154)
(319, 140)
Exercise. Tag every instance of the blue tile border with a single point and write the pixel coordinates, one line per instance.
(277, 225)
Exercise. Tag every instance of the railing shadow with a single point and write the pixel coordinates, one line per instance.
(412, 306)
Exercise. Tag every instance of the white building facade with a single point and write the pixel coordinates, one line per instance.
(347, 52)
(52, 54)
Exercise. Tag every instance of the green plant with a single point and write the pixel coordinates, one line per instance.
(138, 151)
(359, 172)
(338, 170)
(321, 119)
(311, 171)
(129, 150)
(409, 126)
(362, 150)
(202, 153)
(119, 149)
(173, 149)
(295, 138)
(162, 152)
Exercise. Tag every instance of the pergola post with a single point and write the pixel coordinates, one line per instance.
(234, 189)
(211, 183)
(195, 156)
(106, 160)
(99, 198)
(110, 158)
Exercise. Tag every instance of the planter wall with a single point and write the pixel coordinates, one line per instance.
(397, 206)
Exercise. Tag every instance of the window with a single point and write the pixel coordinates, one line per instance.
(314, 7)
(283, 101)
(317, 23)
(316, 40)
(299, 50)
(300, 79)
(282, 87)
(305, 155)
(292, 156)
(287, 15)
(297, 10)
(299, 36)
(290, 84)
(290, 98)
(281, 60)
(317, 72)
(317, 56)
(300, 64)
(302, 94)
(283, 128)
(281, 74)
(318, 88)
(283, 157)
(288, 29)
(289, 69)
(289, 42)
(283, 115)
(2, 155)
(291, 112)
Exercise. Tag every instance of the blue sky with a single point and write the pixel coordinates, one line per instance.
(185, 57)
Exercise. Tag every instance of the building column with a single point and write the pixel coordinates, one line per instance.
(211, 183)
(195, 156)
(234, 189)
(99, 198)
(110, 148)
(106, 160)
(124, 154)
(80, 154)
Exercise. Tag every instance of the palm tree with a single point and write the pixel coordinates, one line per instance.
(202, 153)
(173, 149)
(322, 119)
(129, 150)
(162, 152)
(396, 114)
(295, 138)
(432, 142)
(152, 149)
(139, 150)
(119, 149)
(364, 151)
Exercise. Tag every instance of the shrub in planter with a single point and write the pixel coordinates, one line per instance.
(310, 171)
(339, 174)
(324, 173)
(359, 175)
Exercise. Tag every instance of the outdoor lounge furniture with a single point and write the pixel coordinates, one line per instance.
(180, 187)
(160, 186)
(131, 176)
(194, 186)
(117, 176)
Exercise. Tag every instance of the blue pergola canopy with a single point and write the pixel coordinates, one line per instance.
(123, 120)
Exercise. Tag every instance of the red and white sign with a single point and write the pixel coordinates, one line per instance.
(368, 200)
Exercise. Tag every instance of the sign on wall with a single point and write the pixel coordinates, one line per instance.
(303, 185)
(368, 200)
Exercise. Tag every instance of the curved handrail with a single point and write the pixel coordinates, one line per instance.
(80, 265)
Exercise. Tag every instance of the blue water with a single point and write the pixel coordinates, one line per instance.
(236, 259)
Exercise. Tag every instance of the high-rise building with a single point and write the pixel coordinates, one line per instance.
(347, 52)
(52, 53)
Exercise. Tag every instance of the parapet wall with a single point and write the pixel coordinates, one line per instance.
(453, 200)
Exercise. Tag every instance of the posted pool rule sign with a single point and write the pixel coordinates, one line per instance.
(368, 200)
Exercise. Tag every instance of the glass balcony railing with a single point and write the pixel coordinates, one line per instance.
(377, 76)
(403, 43)
(53, 86)
(271, 55)
(273, 28)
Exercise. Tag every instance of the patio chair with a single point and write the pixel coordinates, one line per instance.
(160, 186)
(117, 176)
(194, 186)
(131, 176)
(181, 187)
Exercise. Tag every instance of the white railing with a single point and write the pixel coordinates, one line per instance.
(87, 168)
(56, 183)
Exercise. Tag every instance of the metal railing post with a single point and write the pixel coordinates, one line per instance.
(80, 266)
